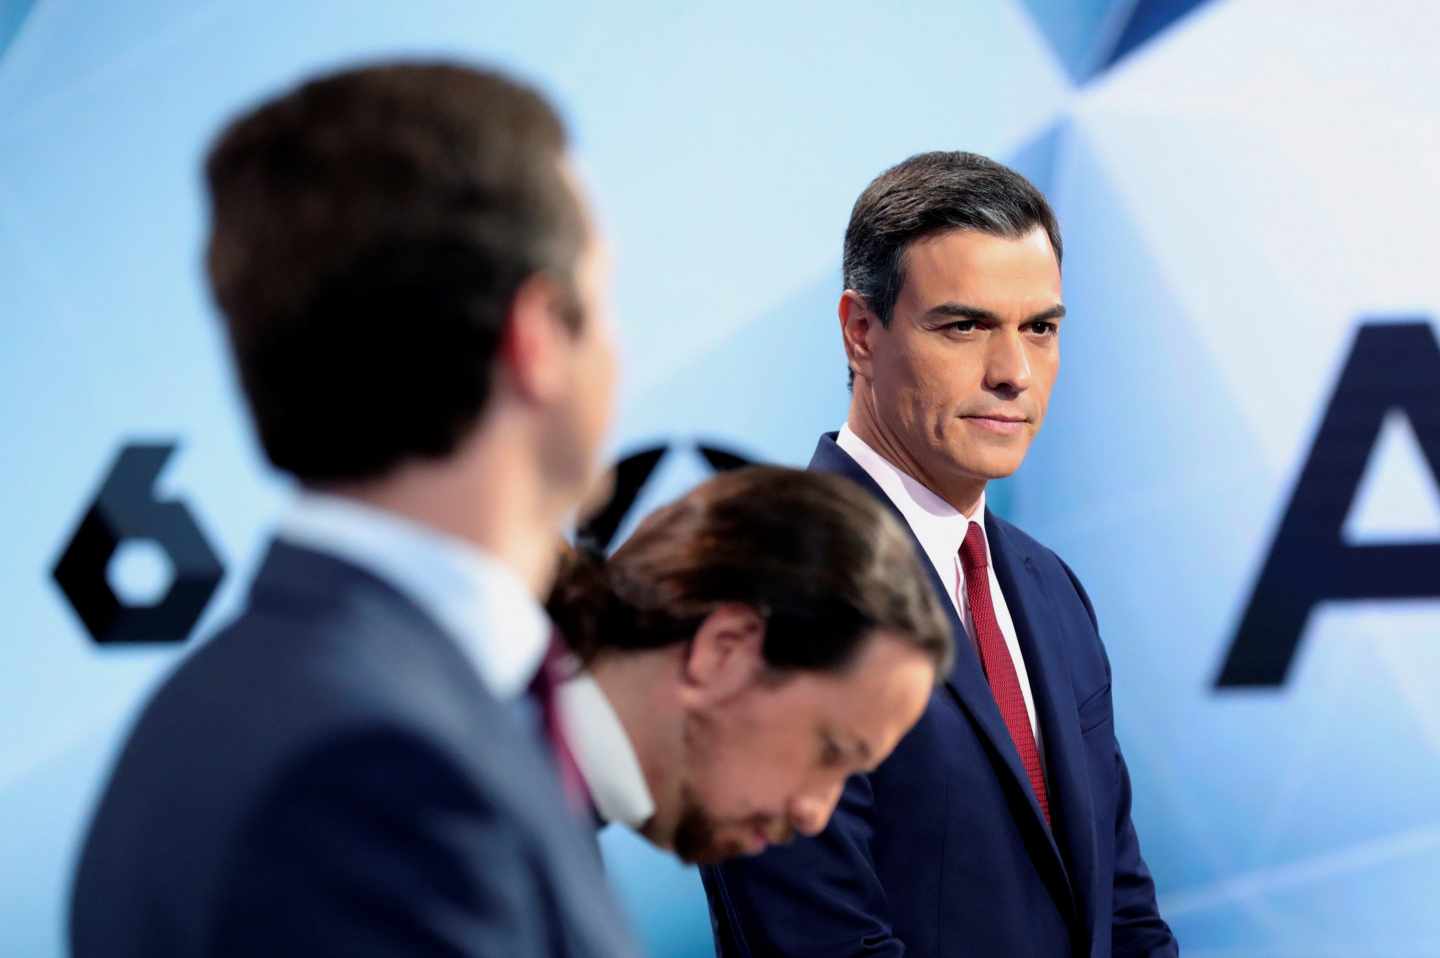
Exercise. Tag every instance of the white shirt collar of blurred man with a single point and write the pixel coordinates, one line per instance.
(476, 599)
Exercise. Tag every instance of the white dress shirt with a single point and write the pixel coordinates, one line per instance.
(480, 602)
(940, 528)
(603, 751)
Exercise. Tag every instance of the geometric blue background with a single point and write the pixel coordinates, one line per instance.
(1238, 184)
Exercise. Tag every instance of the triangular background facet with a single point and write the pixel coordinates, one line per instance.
(1036, 158)
(1080, 32)
(1090, 36)
(1147, 20)
(12, 15)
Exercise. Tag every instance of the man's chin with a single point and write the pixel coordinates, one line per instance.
(972, 470)
(705, 856)
(988, 460)
(716, 853)
(1000, 461)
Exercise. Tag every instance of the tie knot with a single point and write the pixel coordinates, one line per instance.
(557, 667)
(972, 550)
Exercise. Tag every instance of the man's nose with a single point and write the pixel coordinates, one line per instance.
(1007, 365)
(810, 812)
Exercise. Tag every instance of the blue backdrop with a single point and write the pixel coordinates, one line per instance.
(1241, 187)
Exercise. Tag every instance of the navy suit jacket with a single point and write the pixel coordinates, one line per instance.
(943, 851)
(330, 775)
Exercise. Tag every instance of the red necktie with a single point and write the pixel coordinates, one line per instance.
(553, 671)
(995, 658)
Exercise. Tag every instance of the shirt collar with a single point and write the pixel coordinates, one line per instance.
(477, 599)
(939, 526)
(604, 753)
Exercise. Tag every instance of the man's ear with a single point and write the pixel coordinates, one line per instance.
(535, 345)
(726, 655)
(858, 327)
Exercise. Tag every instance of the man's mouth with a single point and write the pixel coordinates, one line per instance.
(764, 834)
(1001, 423)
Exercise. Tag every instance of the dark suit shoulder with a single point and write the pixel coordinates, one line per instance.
(330, 773)
(1047, 559)
(342, 657)
(374, 835)
(1018, 539)
(1084, 647)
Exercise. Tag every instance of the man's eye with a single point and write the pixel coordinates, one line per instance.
(829, 754)
(1044, 329)
(962, 326)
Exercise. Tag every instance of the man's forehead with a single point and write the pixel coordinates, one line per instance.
(852, 713)
(974, 265)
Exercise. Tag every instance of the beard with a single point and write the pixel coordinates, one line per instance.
(700, 837)
(695, 842)
(695, 839)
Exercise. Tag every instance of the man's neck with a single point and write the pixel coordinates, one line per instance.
(638, 686)
(868, 426)
(480, 496)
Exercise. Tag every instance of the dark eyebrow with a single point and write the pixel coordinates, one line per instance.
(975, 313)
(961, 311)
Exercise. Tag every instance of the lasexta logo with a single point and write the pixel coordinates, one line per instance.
(1393, 366)
(125, 509)
(631, 475)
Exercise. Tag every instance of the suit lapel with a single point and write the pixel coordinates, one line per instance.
(1041, 632)
(967, 682)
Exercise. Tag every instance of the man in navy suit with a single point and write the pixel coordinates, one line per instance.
(413, 293)
(1000, 826)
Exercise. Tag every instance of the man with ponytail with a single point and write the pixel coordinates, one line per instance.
(751, 646)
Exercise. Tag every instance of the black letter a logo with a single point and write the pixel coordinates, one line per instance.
(1392, 366)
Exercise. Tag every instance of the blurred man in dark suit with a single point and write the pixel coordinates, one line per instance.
(414, 296)
(748, 648)
(1001, 824)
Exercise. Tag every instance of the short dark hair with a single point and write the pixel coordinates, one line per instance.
(821, 560)
(369, 232)
(932, 193)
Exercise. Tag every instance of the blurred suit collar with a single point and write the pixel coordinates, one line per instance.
(604, 753)
(484, 606)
